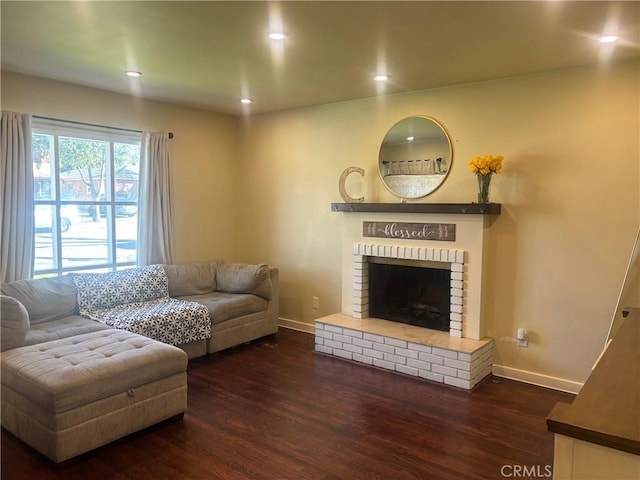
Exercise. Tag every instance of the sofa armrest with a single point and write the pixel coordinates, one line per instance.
(14, 324)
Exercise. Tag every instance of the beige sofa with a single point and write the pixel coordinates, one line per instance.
(71, 384)
(242, 301)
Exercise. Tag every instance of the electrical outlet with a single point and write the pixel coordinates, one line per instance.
(522, 337)
(315, 302)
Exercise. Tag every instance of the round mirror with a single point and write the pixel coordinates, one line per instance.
(415, 157)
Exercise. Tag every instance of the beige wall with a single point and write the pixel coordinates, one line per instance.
(570, 195)
(204, 152)
(260, 188)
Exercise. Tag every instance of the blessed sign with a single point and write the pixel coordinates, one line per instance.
(445, 232)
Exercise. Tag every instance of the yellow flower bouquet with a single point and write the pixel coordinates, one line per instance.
(484, 168)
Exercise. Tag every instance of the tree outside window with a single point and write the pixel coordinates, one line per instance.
(86, 199)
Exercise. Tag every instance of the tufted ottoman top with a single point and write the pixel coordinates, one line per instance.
(63, 374)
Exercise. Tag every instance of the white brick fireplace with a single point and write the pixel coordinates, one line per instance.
(461, 357)
(452, 259)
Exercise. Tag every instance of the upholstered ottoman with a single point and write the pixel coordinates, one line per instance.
(68, 396)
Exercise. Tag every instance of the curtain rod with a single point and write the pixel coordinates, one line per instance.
(170, 134)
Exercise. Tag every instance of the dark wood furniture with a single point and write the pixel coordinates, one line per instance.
(606, 412)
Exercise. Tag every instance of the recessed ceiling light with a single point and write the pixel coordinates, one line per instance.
(133, 73)
(608, 39)
(410, 139)
(277, 36)
(246, 101)
(381, 78)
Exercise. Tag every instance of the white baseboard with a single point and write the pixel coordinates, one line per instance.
(296, 325)
(538, 379)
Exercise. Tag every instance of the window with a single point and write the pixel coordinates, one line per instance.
(85, 197)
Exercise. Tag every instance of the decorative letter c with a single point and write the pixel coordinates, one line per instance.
(343, 190)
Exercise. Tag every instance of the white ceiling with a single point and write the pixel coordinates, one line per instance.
(209, 54)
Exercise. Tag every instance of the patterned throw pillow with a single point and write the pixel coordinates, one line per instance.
(97, 291)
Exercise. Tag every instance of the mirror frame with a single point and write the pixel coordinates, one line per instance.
(450, 163)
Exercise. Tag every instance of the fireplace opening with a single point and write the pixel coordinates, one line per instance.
(415, 295)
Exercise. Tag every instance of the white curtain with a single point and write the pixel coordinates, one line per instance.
(16, 234)
(155, 221)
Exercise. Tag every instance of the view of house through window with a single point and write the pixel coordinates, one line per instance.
(85, 198)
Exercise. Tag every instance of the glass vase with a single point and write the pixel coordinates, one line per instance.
(484, 181)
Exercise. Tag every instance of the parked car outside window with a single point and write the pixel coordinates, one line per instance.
(44, 217)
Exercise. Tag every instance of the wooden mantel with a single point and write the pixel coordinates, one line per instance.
(455, 208)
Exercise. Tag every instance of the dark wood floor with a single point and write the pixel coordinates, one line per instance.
(277, 410)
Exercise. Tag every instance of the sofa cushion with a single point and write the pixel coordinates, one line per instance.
(191, 278)
(15, 323)
(44, 298)
(97, 291)
(61, 328)
(223, 306)
(244, 278)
